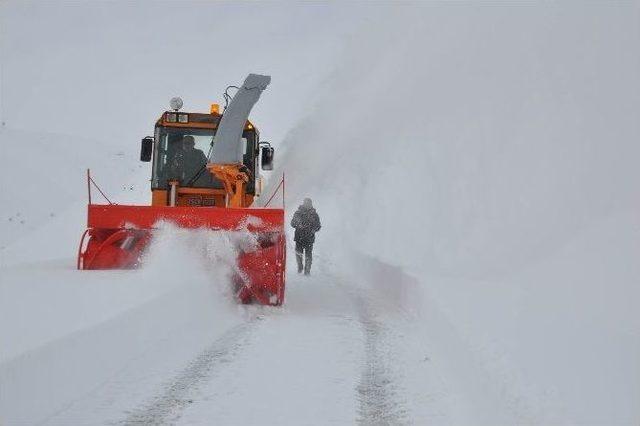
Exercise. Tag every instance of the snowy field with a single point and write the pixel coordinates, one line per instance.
(475, 171)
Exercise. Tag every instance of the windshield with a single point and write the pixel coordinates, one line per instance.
(181, 153)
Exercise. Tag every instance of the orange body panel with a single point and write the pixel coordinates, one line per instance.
(199, 125)
(190, 197)
(196, 197)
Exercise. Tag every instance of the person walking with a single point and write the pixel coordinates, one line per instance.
(306, 222)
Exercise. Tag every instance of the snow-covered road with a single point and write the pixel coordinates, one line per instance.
(332, 355)
(151, 347)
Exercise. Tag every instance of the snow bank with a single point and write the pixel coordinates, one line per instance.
(72, 330)
(44, 190)
(491, 151)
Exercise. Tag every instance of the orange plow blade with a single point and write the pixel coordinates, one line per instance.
(117, 236)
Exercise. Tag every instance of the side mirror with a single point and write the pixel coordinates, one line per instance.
(267, 158)
(146, 149)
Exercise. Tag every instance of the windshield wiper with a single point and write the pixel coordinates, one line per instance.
(197, 175)
(204, 166)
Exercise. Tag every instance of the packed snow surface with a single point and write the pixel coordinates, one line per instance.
(475, 171)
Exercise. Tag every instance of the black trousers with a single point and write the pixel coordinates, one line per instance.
(305, 249)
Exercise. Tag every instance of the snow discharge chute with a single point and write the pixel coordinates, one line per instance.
(227, 140)
(193, 190)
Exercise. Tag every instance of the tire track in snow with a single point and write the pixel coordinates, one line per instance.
(377, 392)
(168, 406)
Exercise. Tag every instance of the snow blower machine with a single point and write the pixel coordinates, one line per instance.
(193, 190)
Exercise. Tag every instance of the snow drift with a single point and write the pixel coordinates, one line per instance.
(106, 323)
(491, 151)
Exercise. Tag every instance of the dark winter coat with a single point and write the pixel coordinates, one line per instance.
(306, 223)
(186, 164)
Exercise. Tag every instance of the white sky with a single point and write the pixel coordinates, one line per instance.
(107, 70)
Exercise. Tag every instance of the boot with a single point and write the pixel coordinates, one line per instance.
(307, 266)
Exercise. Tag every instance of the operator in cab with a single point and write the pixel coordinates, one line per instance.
(188, 161)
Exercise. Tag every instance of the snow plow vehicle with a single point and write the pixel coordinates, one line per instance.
(193, 190)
